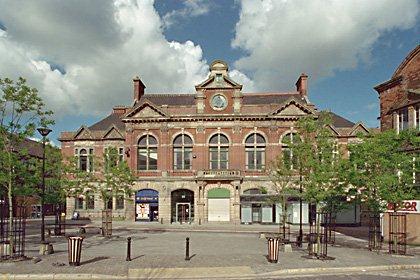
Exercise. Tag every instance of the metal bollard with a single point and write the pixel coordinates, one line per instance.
(128, 258)
(187, 249)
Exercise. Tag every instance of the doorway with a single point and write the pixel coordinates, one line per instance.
(183, 213)
(182, 206)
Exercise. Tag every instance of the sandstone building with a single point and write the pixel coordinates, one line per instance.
(200, 157)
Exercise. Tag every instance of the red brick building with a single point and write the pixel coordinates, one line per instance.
(399, 97)
(200, 156)
(400, 109)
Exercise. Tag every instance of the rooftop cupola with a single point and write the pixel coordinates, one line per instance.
(218, 67)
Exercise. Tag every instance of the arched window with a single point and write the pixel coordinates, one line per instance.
(182, 152)
(219, 151)
(255, 152)
(84, 159)
(147, 153)
(287, 143)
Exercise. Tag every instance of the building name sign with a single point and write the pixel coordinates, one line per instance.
(411, 206)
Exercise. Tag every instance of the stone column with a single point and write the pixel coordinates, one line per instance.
(395, 121)
(236, 202)
(411, 117)
(201, 202)
(129, 209)
(70, 204)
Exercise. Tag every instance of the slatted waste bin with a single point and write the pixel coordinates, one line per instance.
(75, 250)
(273, 250)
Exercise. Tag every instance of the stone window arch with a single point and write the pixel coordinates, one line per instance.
(219, 151)
(147, 153)
(183, 146)
(255, 151)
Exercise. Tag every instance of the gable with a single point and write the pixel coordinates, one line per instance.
(292, 108)
(147, 112)
(113, 133)
(359, 128)
(333, 130)
(83, 133)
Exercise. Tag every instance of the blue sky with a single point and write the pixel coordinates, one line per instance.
(82, 56)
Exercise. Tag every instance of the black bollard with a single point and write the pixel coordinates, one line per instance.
(128, 249)
(187, 249)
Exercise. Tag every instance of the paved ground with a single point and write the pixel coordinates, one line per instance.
(223, 251)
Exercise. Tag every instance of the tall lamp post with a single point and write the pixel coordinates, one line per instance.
(44, 132)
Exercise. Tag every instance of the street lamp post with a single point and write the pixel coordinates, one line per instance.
(44, 132)
(300, 210)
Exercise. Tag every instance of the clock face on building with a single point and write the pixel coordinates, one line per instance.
(219, 102)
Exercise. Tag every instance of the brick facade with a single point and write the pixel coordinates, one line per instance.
(218, 106)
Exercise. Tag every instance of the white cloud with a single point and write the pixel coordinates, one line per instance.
(284, 38)
(191, 8)
(97, 73)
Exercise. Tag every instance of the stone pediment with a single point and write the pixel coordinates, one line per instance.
(113, 133)
(146, 110)
(83, 133)
(223, 82)
(292, 108)
(333, 130)
(359, 128)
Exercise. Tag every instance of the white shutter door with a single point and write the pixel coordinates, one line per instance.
(219, 209)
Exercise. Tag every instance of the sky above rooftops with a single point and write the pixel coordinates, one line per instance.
(82, 55)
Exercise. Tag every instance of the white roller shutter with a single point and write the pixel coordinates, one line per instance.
(218, 209)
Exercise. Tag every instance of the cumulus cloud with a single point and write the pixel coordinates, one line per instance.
(284, 38)
(102, 48)
(191, 8)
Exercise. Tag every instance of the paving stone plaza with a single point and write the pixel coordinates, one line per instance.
(216, 251)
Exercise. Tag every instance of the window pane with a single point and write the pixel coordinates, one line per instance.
(178, 140)
(223, 165)
(178, 158)
(119, 202)
(187, 140)
(142, 141)
(153, 159)
(152, 140)
(223, 155)
(142, 159)
(213, 154)
(223, 139)
(250, 159)
(286, 158)
(250, 139)
(214, 139)
(187, 158)
(287, 139)
(83, 163)
(260, 159)
(260, 139)
(213, 165)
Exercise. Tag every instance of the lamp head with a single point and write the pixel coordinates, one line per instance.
(44, 131)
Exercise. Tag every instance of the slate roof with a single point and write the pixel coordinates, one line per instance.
(175, 99)
(339, 121)
(269, 98)
(107, 122)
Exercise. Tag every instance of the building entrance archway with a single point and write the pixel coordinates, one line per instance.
(182, 206)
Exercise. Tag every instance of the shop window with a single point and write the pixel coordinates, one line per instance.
(78, 203)
(182, 152)
(219, 151)
(90, 201)
(255, 152)
(119, 201)
(287, 142)
(147, 153)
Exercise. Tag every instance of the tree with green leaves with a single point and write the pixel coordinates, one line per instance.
(381, 170)
(21, 112)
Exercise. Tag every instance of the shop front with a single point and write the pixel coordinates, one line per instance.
(257, 207)
(218, 205)
(147, 205)
(182, 206)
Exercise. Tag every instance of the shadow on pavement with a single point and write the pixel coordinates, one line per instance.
(96, 259)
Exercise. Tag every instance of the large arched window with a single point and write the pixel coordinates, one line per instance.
(219, 151)
(147, 153)
(182, 152)
(287, 143)
(84, 159)
(255, 152)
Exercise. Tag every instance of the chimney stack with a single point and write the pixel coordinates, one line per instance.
(138, 88)
(302, 84)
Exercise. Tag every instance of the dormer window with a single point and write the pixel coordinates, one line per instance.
(219, 78)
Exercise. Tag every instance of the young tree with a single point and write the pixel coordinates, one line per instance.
(381, 170)
(21, 112)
